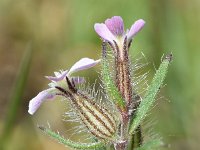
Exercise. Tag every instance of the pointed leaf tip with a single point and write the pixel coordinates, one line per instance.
(151, 93)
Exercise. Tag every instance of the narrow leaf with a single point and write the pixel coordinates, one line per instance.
(150, 95)
(70, 143)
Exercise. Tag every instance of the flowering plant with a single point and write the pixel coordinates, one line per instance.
(120, 129)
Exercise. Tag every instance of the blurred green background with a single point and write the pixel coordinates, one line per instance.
(38, 37)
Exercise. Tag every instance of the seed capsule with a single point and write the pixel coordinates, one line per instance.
(99, 121)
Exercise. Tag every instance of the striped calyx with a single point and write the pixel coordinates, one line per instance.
(99, 121)
(123, 77)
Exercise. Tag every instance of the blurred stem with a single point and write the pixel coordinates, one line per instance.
(16, 97)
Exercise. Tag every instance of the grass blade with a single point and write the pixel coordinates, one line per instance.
(16, 96)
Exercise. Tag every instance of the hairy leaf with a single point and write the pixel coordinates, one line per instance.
(150, 95)
(70, 143)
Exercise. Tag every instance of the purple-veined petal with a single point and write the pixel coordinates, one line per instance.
(135, 28)
(83, 64)
(35, 103)
(78, 80)
(58, 76)
(102, 30)
(115, 25)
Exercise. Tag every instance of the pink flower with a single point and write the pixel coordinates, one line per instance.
(59, 80)
(113, 29)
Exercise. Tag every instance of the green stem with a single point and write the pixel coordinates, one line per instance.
(138, 139)
(70, 143)
(131, 142)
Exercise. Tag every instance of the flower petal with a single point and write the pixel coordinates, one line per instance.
(135, 28)
(58, 76)
(115, 25)
(102, 30)
(35, 103)
(78, 80)
(83, 64)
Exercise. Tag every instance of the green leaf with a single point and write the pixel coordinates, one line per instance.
(110, 87)
(150, 95)
(70, 143)
(151, 145)
(16, 96)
